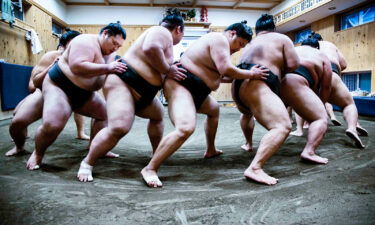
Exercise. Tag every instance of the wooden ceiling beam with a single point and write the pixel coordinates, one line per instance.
(237, 4)
(163, 5)
(247, 1)
(263, 1)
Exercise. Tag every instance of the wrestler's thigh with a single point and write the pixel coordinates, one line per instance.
(120, 101)
(308, 105)
(56, 105)
(31, 108)
(340, 94)
(209, 107)
(154, 111)
(265, 105)
(95, 107)
(181, 106)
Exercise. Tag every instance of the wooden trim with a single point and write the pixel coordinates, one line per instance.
(163, 5)
(14, 25)
(54, 17)
(102, 25)
(107, 2)
(237, 4)
(197, 24)
(338, 31)
(301, 12)
(18, 24)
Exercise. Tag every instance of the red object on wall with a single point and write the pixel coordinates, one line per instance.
(204, 14)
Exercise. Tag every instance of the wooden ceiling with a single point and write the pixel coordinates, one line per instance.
(220, 4)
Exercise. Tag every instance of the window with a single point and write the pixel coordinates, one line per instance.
(358, 17)
(57, 29)
(301, 35)
(17, 8)
(358, 80)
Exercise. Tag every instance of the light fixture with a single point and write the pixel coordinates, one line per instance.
(332, 8)
(302, 21)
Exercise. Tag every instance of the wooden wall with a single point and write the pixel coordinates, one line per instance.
(14, 46)
(357, 44)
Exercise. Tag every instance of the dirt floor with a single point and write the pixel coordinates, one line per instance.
(196, 190)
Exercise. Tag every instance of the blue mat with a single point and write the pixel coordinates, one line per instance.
(14, 81)
(365, 105)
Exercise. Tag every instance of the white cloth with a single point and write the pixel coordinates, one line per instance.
(32, 36)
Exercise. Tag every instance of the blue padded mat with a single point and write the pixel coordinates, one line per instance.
(14, 81)
(365, 105)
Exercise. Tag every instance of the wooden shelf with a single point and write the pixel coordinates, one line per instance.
(197, 24)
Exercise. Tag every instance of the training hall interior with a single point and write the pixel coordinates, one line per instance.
(196, 189)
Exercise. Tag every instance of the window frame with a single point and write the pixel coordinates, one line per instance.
(300, 31)
(355, 10)
(56, 23)
(357, 78)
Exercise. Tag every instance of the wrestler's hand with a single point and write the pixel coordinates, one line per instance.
(259, 72)
(176, 72)
(117, 67)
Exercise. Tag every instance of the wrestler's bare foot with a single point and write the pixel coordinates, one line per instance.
(336, 122)
(211, 154)
(83, 136)
(354, 136)
(260, 176)
(247, 147)
(312, 157)
(361, 131)
(151, 178)
(111, 155)
(85, 172)
(296, 133)
(14, 151)
(34, 161)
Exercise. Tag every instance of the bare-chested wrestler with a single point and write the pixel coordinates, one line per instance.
(260, 98)
(206, 62)
(71, 84)
(132, 93)
(306, 89)
(30, 109)
(340, 95)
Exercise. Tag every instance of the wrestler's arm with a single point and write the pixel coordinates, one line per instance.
(290, 56)
(31, 85)
(325, 87)
(81, 57)
(342, 60)
(110, 58)
(41, 69)
(153, 46)
(220, 55)
(226, 79)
